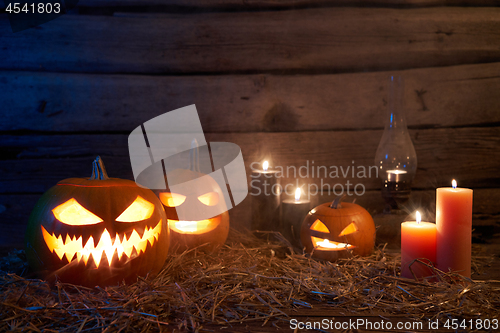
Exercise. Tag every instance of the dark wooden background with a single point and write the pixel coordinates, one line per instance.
(298, 79)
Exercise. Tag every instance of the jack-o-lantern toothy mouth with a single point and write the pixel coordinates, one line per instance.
(194, 227)
(131, 247)
(326, 244)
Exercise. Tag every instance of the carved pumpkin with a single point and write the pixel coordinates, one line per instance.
(199, 199)
(97, 231)
(338, 230)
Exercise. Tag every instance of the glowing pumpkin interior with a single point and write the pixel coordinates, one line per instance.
(325, 244)
(109, 246)
(191, 227)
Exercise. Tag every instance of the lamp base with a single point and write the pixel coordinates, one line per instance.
(395, 194)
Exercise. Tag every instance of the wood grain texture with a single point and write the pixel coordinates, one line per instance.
(265, 4)
(470, 155)
(453, 96)
(325, 39)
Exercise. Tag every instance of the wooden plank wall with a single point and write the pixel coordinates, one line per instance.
(300, 80)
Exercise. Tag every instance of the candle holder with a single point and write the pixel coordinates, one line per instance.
(266, 201)
(395, 156)
(293, 212)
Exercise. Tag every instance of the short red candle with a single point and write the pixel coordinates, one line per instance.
(454, 229)
(418, 241)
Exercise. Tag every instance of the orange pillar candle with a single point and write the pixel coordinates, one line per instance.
(418, 241)
(454, 229)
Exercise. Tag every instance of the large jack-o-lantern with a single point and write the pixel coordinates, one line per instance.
(338, 230)
(199, 196)
(97, 231)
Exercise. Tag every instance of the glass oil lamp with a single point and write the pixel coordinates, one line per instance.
(395, 157)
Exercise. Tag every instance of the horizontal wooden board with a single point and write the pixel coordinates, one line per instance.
(16, 208)
(34, 163)
(453, 96)
(324, 39)
(265, 4)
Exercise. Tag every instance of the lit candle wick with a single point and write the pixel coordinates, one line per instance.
(454, 183)
(419, 218)
(265, 165)
(297, 194)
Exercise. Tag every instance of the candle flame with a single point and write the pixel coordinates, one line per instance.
(297, 194)
(419, 218)
(265, 165)
(454, 183)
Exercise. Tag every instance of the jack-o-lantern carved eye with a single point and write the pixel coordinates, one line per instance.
(72, 213)
(209, 199)
(319, 226)
(138, 210)
(350, 229)
(172, 199)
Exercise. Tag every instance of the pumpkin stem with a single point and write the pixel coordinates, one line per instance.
(98, 170)
(337, 202)
(194, 156)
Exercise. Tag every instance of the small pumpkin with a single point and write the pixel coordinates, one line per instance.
(97, 231)
(198, 199)
(338, 230)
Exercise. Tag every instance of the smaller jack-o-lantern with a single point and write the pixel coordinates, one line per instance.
(97, 231)
(338, 230)
(200, 200)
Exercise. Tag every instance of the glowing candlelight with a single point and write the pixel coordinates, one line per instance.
(266, 192)
(396, 172)
(325, 243)
(297, 194)
(394, 175)
(454, 229)
(293, 211)
(418, 241)
(189, 226)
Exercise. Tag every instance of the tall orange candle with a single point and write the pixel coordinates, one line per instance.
(454, 229)
(418, 241)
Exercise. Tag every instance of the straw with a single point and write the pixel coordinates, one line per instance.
(250, 279)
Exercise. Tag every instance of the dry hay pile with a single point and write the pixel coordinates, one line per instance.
(250, 279)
